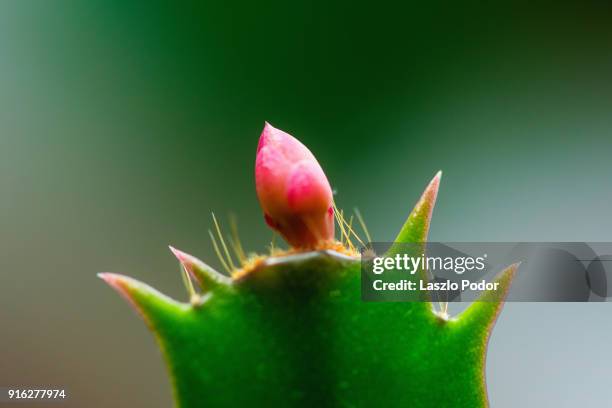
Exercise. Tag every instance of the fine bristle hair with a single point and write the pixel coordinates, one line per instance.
(218, 252)
(362, 224)
(230, 262)
(235, 241)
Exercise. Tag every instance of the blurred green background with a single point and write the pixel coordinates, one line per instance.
(123, 125)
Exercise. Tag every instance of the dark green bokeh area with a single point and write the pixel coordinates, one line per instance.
(123, 125)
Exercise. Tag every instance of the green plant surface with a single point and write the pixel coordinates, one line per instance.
(294, 332)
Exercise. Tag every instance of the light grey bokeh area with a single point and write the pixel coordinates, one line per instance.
(122, 125)
(550, 354)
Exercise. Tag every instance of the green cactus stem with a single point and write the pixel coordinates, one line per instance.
(292, 331)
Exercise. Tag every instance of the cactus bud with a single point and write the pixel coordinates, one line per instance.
(293, 190)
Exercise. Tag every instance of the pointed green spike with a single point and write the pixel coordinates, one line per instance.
(147, 301)
(416, 227)
(208, 278)
(414, 232)
(482, 313)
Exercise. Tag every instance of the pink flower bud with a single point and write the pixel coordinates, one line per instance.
(293, 191)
